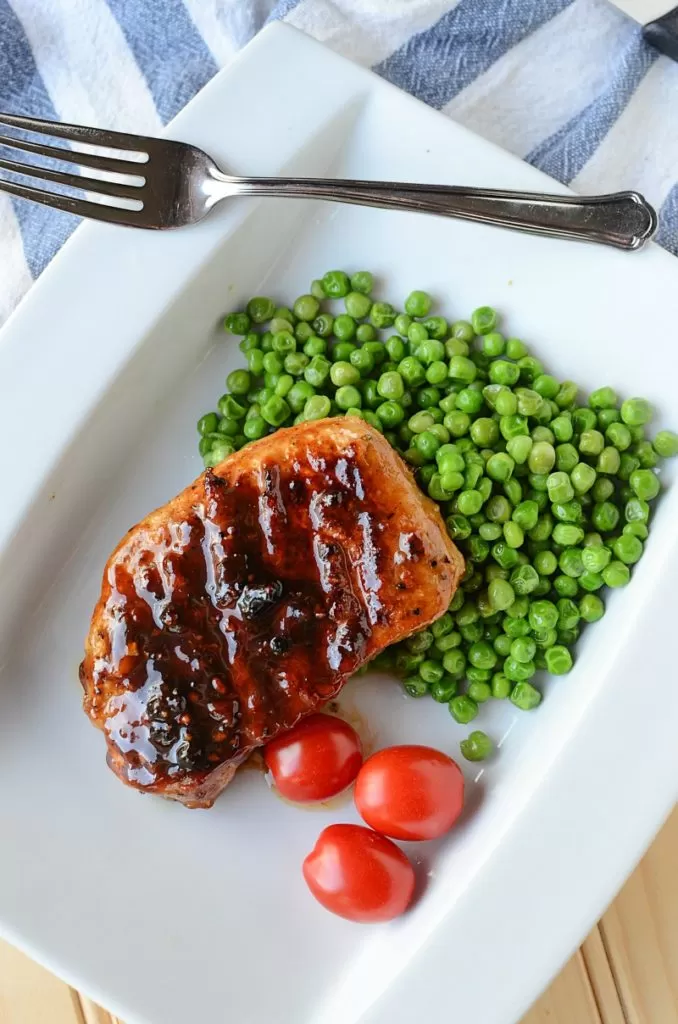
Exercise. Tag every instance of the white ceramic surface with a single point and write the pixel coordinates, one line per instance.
(166, 915)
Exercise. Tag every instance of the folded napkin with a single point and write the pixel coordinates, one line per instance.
(569, 85)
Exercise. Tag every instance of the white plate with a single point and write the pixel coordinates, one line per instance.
(166, 915)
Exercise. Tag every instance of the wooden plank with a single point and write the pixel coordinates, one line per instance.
(602, 979)
(640, 932)
(569, 1000)
(31, 995)
(93, 1014)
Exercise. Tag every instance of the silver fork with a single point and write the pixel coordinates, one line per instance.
(168, 184)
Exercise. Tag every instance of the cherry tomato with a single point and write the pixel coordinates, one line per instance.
(358, 874)
(318, 758)
(410, 792)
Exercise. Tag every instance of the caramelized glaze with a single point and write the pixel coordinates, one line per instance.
(233, 615)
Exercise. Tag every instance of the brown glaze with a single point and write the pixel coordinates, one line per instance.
(247, 601)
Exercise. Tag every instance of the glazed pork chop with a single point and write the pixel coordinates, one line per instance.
(247, 601)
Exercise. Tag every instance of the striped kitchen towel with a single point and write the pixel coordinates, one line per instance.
(569, 85)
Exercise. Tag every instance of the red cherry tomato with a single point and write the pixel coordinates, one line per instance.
(318, 758)
(410, 792)
(358, 874)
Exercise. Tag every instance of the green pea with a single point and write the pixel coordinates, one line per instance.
(260, 309)
(500, 466)
(559, 487)
(558, 660)
(518, 671)
(382, 315)
(524, 579)
(591, 581)
(390, 413)
(306, 307)
(365, 332)
(567, 534)
(322, 325)
(606, 417)
(336, 284)
(415, 686)
(503, 372)
(523, 649)
(362, 281)
(317, 407)
(545, 562)
(608, 461)
(458, 423)
(569, 512)
(637, 511)
(278, 323)
(283, 385)
(493, 344)
(239, 382)
(506, 402)
(542, 457)
(595, 557)
(602, 489)
(237, 323)
(645, 484)
(463, 709)
(639, 530)
(348, 397)
(484, 320)
(525, 696)
(343, 373)
(444, 689)
(315, 347)
(591, 608)
(303, 332)
(298, 395)
(477, 746)
(666, 444)
(357, 305)
(469, 401)
(463, 369)
(567, 395)
(616, 574)
(583, 477)
(501, 594)
(519, 448)
(565, 586)
(570, 562)
(482, 655)
(275, 411)
(273, 363)
(317, 290)
(605, 516)
(484, 432)
(391, 385)
(208, 423)
(635, 412)
(562, 428)
(628, 549)
(317, 371)
(255, 427)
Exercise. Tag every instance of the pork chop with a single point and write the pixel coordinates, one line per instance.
(246, 602)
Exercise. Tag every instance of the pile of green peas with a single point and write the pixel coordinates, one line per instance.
(548, 497)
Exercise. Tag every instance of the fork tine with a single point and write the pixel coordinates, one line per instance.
(106, 188)
(103, 163)
(80, 207)
(80, 133)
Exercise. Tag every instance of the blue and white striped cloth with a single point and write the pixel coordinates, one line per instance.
(567, 84)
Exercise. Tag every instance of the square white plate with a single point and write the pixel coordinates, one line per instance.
(168, 916)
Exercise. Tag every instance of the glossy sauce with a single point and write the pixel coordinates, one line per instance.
(223, 628)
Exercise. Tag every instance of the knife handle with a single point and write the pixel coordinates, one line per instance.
(663, 34)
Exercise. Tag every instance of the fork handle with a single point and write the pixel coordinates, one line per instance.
(624, 220)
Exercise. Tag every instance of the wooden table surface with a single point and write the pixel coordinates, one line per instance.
(626, 972)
